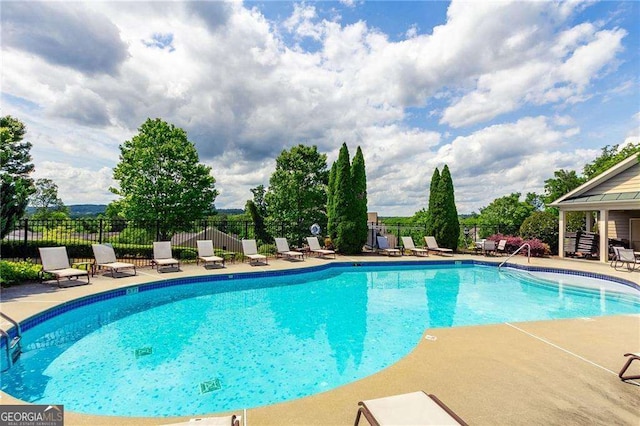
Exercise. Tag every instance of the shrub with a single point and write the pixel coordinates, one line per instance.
(188, 254)
(538, 248)
(267, 249)
(543, 226)
(12, 273)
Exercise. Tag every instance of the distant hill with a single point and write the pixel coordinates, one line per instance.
(80, 210)
(230, 211)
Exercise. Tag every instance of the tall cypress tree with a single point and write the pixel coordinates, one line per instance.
(448, 230)
(343, 204)
(331, 214)
(359, 211)
(433, 196)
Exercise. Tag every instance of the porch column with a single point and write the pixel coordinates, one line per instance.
(603, 228)
(561, 221)
(587, 221)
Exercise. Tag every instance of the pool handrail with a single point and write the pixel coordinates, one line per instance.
(516, 252)
(11, 343)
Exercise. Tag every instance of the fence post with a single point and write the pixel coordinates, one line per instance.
(246, 229)
(398, 240)
(157, 229)
(24, 247)
(100, 234)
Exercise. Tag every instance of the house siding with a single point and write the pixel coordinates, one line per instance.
(627, 181)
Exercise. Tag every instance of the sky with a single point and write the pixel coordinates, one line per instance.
(504, 93)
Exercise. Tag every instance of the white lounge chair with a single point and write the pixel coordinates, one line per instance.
(432, 245)
(383, 246)
(314, 246)
(282, 247)
(232, 420)
(55, 261)
(250, 249)
(502, 247)
(162, 256)
(416, 408)
(408, 244)
(626, 256)
(206, 254)
(106, 258)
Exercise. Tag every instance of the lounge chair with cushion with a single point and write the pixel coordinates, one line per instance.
(408, 244)
(432, 245)
(628, 257)
(314, 246)
(206, 254)
(632, 357)
(162, 256)
(282, 247)
(232, 420)
(106, 258)
(416, 408)
(250, 249)
(55, 261)
(383, 246)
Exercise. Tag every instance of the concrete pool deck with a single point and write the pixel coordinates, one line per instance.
(545, 372)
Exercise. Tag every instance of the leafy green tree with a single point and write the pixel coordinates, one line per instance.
(359, 211)
(331, 214)
(504, 215)
(433, 200)
(46, 201)
(609, 157)
(297, 191)
(260, 229)
(161, 179)
(543, 226)
(444, 216)
(259, 200)
(562, 182)
(15, 166)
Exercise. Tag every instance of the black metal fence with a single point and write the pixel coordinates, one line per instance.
(132, 240)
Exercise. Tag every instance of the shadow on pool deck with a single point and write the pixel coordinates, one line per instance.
(557, 372)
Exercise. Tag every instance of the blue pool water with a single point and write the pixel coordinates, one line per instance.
(226, 345)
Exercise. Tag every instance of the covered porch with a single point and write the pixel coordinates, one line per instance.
(613, 198)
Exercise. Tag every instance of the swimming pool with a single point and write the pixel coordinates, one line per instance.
(194, 346)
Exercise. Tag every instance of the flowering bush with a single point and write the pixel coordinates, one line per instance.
(538, 248)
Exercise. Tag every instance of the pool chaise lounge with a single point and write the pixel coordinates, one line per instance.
(383, 246)
(415, 408)
(632, 357)
(432, 245)
(314, 246)
(408, 244)
(282, 247)
(162, 256)
(250, 250)
(206, 254)
(106, 258)
(55, 261)
(232, 420)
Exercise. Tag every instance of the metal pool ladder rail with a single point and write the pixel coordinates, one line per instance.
(516, 252)
(13, 348)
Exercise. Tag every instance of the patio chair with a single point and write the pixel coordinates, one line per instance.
(314, 246)
(489, 247)
(55, 261)
(383, 246)
(628, 257)
(162, 256)
(408, 244)
(432, 245)
(250, 250)
(106, 258)
(232, 420)
(282, 247)
(416, 408)
(502, 247)
(632, 357)
(207, 255)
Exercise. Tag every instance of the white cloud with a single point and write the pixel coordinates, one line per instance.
(229, 78)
